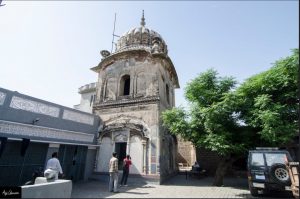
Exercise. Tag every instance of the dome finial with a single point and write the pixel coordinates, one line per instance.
(143, 23)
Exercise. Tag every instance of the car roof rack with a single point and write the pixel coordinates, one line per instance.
(266, 148)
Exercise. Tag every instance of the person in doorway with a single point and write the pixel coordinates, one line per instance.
(126, 164)
(53, 165)
(196, 166)
(113, 173)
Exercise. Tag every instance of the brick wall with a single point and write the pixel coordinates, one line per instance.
(208, 160)
(186, 152)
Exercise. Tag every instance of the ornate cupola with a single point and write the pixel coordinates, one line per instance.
(141, 38)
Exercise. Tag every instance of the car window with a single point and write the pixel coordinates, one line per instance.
(257, 159)
(273, 158)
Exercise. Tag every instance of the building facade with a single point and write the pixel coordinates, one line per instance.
(135, 85)
(32, 129)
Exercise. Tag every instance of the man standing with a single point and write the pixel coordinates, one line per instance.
(126, 164)
(113, 173)
(54, 165)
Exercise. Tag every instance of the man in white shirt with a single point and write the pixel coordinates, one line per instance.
(54, 165)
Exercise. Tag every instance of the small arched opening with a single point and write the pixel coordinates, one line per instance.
(125, 85)
(167, 93)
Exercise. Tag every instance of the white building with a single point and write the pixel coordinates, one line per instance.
(88, 95)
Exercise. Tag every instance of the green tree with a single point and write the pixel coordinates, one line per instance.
(212, 121)
(228, 121)
(271, 103)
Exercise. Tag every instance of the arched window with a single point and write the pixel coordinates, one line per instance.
(167, 93)
(125, 85)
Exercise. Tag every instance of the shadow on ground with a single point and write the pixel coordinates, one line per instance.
(185, 180)
(267, 196)
(99, 188)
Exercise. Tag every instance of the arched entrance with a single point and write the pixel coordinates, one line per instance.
(123, 138)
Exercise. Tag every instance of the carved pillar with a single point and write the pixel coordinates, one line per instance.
(97, 159)
(144, 142)
(99, 90)
(128, 142)
(103, 90)
(98, 148)
(135, 85)
(113, 141)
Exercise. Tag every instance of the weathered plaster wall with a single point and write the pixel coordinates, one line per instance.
(146, 114)
(147, 98)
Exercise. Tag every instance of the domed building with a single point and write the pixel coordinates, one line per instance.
(135, 85)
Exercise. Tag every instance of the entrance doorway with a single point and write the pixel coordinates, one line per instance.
(72, 159)
(120, 149)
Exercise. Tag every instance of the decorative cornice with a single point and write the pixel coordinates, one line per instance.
(141, 51)
(130, 52)
(119, 103)
(43, 133)
(146, 48)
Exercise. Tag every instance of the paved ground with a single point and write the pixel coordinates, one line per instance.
(176, 187)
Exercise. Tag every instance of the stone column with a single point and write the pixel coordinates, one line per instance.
(144, 142)
(128, 143)
(90, 162)
(113, 141)
(96, 165)
(53, 147)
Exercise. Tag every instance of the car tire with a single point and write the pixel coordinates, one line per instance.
(253, 191)
(280, 174)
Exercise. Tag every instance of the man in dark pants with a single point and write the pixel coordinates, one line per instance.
(126, 164)
(113, 173)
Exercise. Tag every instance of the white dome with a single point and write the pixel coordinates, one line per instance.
(141, 38)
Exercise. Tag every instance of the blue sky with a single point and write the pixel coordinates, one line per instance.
(48, 47)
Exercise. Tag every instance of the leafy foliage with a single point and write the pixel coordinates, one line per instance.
(211, 122)
(271, 104)
(228, 121)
